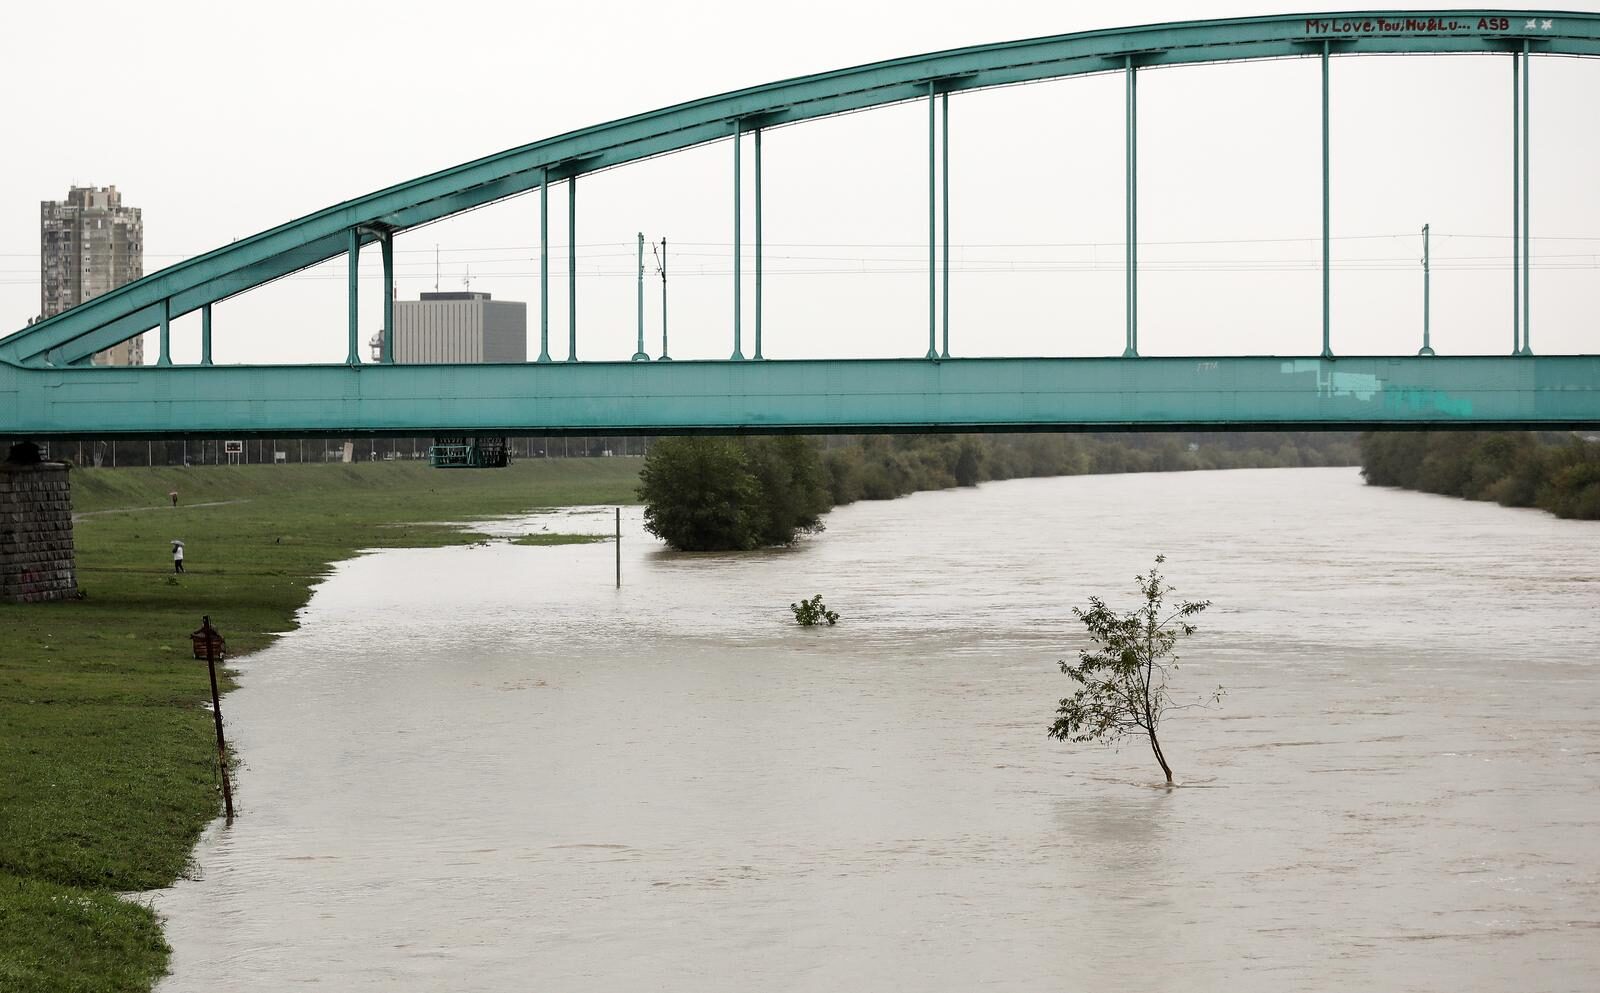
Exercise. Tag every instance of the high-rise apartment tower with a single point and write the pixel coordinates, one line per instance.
(90, 244)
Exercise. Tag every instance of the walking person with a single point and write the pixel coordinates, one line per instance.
(177, 556)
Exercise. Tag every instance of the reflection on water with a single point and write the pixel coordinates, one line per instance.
(486, 768)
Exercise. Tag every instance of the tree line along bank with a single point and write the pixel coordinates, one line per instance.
(1554, 471)
(732, 494)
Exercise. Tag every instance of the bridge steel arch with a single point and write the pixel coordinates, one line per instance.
(60, 346)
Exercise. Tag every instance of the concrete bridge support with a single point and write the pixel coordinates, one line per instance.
(36, 554)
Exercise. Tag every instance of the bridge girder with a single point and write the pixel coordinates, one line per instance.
(810, 396)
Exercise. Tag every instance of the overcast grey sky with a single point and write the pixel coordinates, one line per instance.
(220, 123)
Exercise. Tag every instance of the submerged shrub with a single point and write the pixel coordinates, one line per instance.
(809, 613)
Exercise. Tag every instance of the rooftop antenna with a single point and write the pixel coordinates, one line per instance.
(436, 267)
(467, 279)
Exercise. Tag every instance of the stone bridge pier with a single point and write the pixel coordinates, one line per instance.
(36, 554)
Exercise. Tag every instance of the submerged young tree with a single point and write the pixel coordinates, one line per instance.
(1122, 677)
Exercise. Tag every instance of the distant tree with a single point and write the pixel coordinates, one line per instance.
(723, 494)
(698, 495)
(1573, 486)
(1553, 471)
(968, 465)
(1122, 677)
(793, 485)
(845, 470)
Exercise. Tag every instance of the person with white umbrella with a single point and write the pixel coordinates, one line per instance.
(177, 556)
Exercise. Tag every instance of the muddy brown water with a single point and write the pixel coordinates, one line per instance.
(486, 768)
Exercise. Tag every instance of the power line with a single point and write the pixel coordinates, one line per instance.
(624, 248)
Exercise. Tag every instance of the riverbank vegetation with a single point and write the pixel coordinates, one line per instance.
(542, 538)
(1555, 472)
(882, 467)
(735, 494)
(812, 612)
(107, 770)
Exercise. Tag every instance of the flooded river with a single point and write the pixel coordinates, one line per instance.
(487, 769)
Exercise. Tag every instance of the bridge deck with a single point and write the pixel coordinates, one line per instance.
(805, 396)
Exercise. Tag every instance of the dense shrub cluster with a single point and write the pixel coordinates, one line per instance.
(1557, 473)
(730, 494)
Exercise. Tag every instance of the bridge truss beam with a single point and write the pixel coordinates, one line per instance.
(822, 396)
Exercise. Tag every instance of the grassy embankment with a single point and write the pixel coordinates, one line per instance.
(107, 771)
(558, 538)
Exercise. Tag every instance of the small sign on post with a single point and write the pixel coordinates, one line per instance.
(209, 645)
(234, 450)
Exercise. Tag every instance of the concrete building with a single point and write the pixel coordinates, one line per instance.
(90, 244)
(459, 327)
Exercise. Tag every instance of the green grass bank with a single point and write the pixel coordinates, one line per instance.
(107, 772)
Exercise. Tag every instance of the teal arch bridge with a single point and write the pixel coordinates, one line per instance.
(48, 387)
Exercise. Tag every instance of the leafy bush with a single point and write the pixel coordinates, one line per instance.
(723, 494)
(809, 613)
(698, 496)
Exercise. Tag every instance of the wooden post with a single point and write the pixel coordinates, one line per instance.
(212, 638)
(619, 548)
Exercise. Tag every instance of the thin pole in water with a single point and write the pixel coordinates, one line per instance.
(211, 637)
(619, 548)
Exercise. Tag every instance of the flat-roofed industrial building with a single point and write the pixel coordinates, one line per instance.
(460, 326)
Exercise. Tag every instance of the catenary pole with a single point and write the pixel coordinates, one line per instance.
(638, 351)
(1427, 345)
